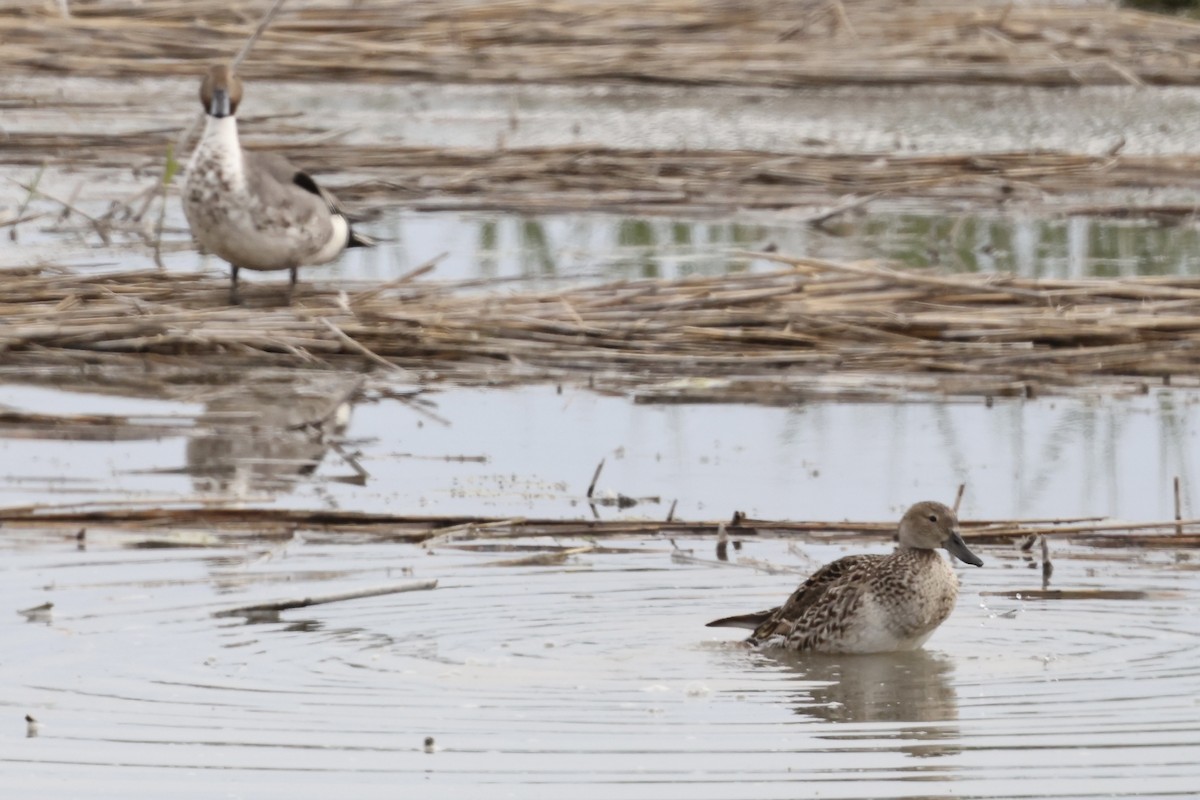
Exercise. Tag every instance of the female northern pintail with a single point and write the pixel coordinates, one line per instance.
(256, 210)
(871, 603)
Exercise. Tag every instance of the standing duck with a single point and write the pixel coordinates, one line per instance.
(256, 210)
(871, 603)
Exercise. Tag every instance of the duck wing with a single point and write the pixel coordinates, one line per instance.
(817, 591)
(278, 183)
(830, 593)
(289, 178)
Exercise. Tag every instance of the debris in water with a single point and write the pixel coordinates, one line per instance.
(37, 613)
(722, 543)
(304, 602)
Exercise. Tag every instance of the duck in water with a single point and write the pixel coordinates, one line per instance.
(871, 603)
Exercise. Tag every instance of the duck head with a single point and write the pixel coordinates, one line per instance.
(929, 525)
(220, 92)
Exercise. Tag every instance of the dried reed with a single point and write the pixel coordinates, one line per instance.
(750, 42)
(813, 329)
(557, 179)
(229, 524)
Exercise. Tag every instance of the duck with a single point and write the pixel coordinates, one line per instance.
(256, 210)
(871, 603)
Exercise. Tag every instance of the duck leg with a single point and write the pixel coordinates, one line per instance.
(234, 298)
(291, 284)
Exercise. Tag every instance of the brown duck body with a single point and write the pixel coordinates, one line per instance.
(870, 603)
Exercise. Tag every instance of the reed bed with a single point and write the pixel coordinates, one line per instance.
(548, 180)
(749, 42)
(557, 179)
(814, 329)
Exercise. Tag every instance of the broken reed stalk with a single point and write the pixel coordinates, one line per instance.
(595, 477)
(1178, 509)
(30, 193)
(1047, 564)
(259, 30)
(1084, 594)
(251, 524)
(304, 602)
(542, 559)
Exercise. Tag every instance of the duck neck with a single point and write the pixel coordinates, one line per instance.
(219, 145)
(915, 552)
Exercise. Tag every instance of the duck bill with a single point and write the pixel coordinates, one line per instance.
(219, 105)
(956, 547)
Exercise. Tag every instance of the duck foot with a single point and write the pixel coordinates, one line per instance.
(235, 299)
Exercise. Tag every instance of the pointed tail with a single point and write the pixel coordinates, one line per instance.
(360, 239)
(747, 621)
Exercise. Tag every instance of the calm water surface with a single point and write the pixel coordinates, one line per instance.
(531, 452)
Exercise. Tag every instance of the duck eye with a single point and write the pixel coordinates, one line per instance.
(933, 517)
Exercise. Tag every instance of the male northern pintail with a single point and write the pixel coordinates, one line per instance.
(871, 603)
(256, 210)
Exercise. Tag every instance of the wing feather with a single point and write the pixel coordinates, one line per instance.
(830, 594)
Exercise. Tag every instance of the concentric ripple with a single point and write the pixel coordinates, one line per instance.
(593, 677)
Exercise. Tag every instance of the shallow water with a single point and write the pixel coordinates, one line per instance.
(1049, 241)
(551, 248)
(605, 246)
(918, 119)
(531, 452)
(909, 120)
(597, 676)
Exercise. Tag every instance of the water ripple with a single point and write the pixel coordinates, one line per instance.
(596, 675)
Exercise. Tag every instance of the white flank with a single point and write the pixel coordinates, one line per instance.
(338, 239)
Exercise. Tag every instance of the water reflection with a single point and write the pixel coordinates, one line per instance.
(610, 246)
(500, 453)
(265, 438)
(910, 686)
(907, 688)
(583, 245)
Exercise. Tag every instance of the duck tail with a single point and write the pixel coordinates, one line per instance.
(357, 239)
(747, 621)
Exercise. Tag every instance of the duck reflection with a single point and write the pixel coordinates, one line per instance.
(913, 686)
(265, 438)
